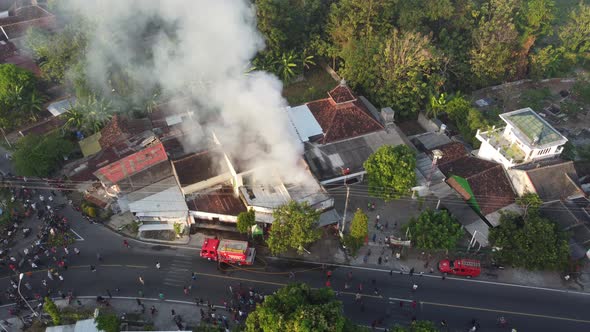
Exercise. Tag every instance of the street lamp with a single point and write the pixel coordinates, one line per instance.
(20, 278)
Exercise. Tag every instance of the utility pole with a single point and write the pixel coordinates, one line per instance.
(5, 138)
(345, 208)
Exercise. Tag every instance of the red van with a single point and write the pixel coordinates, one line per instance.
(461, 267)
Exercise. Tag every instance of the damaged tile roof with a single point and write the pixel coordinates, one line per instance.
(556, 180)
(220, 201)
(120, 128)
(341, 94)
(487, 180)
(132, 164)
(343, 118)
(200, 166)
(21, 19)
(451, 152)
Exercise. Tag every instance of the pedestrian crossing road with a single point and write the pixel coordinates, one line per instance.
(177, 271)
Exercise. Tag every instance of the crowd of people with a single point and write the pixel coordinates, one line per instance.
(49, 249)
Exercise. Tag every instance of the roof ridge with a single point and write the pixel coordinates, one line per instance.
(484, 171)
(331, 124)
(368, 115)
(566, 162)
(193, 155)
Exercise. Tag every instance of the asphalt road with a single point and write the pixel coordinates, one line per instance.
(457, 301)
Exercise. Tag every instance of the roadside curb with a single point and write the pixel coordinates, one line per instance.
(154, 243)
(428, 275)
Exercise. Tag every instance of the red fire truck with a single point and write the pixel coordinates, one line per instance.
(461, 267)
(228, 251)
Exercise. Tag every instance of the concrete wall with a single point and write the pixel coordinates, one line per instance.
(426, 123)
(211, 216)
(520, 181)
(207, 183)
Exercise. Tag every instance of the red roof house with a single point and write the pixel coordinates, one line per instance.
(132, 164)
(342, 115)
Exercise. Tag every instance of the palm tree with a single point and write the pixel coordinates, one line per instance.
(75, 118)
(436, 105)
(306, 60)
(89, 114)
(265, 62)
(152, 102)
(286, 65)
(32, 105)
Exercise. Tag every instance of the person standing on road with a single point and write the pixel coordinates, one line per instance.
(153, 310)
(158, 266)
(414, 287)
(126, 244)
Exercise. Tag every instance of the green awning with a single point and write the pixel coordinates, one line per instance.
(256, 230)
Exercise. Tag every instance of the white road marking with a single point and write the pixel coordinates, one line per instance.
(80, 238)
(427, 275)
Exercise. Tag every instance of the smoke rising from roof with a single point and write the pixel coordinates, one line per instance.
(198, 49)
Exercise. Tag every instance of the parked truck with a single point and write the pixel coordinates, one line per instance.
(228, 251)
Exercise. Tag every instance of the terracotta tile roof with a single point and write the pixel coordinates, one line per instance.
(342, 121)
(25, 17)
(121, 128)
(7, 49)
(556, 181)
(221, 201)
(451, 152)
(200, 166)
(488, 182)
(132, 164)
(25, 63)
(342, 94)
(115, 131)
(45, 126)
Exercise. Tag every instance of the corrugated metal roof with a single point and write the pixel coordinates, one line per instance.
(62, 106)
(304, 122)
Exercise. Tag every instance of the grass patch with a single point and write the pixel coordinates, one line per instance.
(534, 98)
(563, 8)
(316, 85)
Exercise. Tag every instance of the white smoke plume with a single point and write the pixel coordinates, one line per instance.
(203, 53)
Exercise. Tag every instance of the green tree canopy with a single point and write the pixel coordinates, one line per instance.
(290, 25)
(533, 243)
(52, 310)
(40, 155)
(417, 326)
(391, 171)
(108, 322)
(15, 84)
(435, 230)
(58, 52)
(295, 225)
(246, 220)
(575, 34)
(19, 98)
(297, 307)
(359, 230)
(466, 118)
(495, 41)
(400, 69)
(530, 203)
